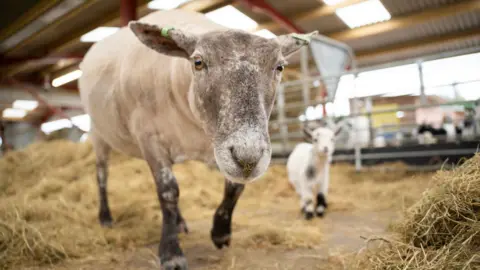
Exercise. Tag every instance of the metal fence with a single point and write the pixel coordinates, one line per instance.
(295, 97)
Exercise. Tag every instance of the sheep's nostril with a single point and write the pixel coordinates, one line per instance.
(244, 163)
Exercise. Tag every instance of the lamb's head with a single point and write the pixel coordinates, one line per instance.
(234, 78)
(323, 138)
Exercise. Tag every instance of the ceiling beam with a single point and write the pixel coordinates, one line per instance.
(322, 11)
(33, 13)
(419, 44)
(407, 20)
(113, 19)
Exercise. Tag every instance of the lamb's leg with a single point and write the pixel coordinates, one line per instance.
(102, 151)
(306, 200)
(222, 220)
(322, 193)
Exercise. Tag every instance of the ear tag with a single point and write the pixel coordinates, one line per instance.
(164, 31)
(303, 37)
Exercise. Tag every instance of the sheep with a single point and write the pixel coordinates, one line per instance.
(308, 168)
(176, 86)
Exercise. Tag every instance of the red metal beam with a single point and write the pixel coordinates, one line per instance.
(128, 11)
(260, 6)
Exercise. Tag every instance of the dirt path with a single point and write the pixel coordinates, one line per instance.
(342, 232)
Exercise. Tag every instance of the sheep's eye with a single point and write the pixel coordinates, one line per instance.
(280, 68)
(198, 63)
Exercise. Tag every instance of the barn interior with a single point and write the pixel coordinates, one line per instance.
(401, 79)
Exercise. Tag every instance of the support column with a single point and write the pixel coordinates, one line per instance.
(128, 11)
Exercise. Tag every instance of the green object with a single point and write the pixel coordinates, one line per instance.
(165, 30)
(303, 37)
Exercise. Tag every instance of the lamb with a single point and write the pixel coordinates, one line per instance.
(308, 168)
(175, 86)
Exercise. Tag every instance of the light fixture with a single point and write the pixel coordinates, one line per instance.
(265, 33)
(67, 78)
(332, 2)
(82, 121)
(231, 17)
(400, 114)
(13, 113)
(165, 4)
(52, 126)
(98, 34)
(27, 105)
(316, 83)
(363, 13)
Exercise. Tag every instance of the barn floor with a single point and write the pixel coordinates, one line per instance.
(56, 206)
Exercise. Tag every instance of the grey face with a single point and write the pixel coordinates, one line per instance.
(235, 75)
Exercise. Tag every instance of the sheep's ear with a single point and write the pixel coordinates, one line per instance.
(308, 134)
(165, 40)
(338, 129)
(293, 42)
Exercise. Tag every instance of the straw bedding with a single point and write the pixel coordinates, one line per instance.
(49, 204)
(441, 231)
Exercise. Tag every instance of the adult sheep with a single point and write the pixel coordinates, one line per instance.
(195, 90)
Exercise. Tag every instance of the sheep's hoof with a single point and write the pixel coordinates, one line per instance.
(105, 219)
(221, 241)
(320, 211)
(308, 215)
(175, 263)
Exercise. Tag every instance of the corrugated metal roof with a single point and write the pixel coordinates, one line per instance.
(402, 7)
(456, 23)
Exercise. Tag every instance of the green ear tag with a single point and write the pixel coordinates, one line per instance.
(165, 30)
(305, 38)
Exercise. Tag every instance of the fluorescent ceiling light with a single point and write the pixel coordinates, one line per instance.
(82, 121)
(67, 78)
(13, 113)
(166, 4)
(52, 126)
(364, 13)
(265, 33)
(332, 2)
(400, 114)
(27, 105)
(98, 34)
(231, 17)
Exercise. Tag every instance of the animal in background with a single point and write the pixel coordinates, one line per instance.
(308, 168)
(176, 86)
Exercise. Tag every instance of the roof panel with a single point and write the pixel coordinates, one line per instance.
(456, 23)
(402, 7)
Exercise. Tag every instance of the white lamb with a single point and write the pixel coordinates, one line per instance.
(308, 169)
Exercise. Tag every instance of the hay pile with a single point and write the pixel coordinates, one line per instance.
(49, 204)
(441, 231)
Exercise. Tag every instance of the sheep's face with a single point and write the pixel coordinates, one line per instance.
(323, 140)
(232, 91)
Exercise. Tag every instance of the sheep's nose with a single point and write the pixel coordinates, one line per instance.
(325, 149)
(246, 160)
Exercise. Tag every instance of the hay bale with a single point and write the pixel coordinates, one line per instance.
(441, 231)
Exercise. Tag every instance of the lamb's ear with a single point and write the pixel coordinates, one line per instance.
(293, 42)
(338, 129)
(166, 40)
(308, 134)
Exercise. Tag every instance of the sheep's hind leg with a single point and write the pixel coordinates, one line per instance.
(102, 151)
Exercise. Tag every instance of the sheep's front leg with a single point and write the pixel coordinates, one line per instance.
(322, 192)
(171, 255)
(306, 201)
(222, 220)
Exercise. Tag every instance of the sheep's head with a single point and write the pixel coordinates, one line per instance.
(234, 78)
(323, 137)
